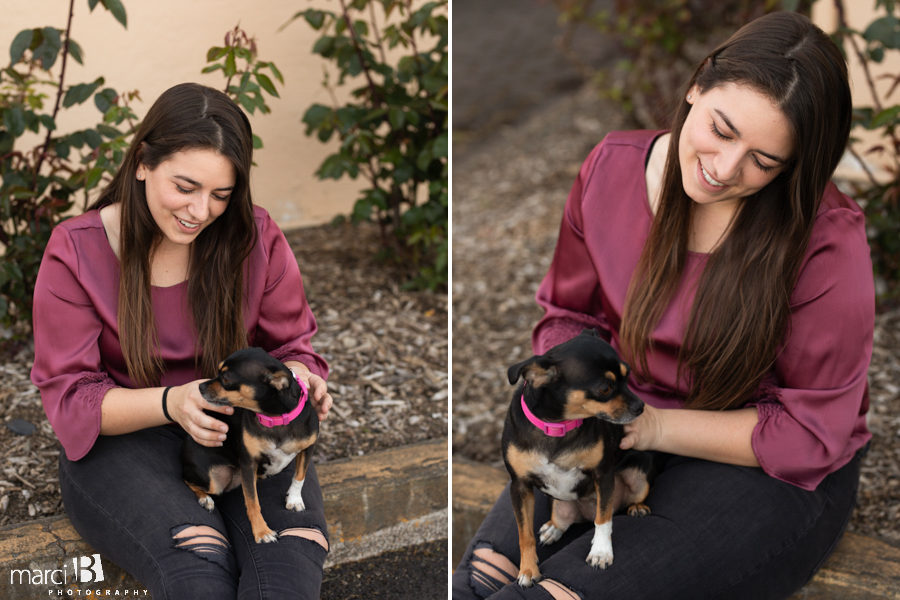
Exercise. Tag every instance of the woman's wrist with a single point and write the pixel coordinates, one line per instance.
(165, 408)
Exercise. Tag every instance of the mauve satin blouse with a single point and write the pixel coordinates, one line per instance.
(77, 356)
(812, 406)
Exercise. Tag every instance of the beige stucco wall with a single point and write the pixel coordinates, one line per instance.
(859, 15)
(166, 43)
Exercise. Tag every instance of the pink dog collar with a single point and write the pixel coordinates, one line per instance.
(552, 429)
(286, 418)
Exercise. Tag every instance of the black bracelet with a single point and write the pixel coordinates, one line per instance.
(165, 410)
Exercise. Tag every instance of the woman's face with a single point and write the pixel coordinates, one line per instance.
(734, 142)
(187, 191)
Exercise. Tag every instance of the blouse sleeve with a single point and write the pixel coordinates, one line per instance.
(570, 292)
(286, 324)
(67, 367)
(819, 397)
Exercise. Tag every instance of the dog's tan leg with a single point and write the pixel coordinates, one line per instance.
(203, 496)
(261, 532)
(523, 506)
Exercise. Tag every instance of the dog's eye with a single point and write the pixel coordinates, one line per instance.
(604, 388)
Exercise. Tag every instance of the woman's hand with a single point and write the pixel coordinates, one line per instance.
(186, 405)
(645, 432)
(318, 393)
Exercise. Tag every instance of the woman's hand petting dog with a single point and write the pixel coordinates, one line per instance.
(186, 406)
(321, 399)
(645, 432)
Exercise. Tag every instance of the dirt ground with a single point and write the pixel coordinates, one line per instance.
(387, 349)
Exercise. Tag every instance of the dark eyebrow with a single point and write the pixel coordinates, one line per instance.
(196, 183)
(736, 132)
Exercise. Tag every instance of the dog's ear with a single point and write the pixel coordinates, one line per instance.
(277, 379)
(537, 370)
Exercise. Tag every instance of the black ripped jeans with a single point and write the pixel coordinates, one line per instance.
(127, 499)
(715, 531)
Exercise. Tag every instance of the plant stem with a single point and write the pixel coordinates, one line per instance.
(59, 94)
(357, 45)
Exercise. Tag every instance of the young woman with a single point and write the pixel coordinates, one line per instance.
(722, 263)
(136, 302)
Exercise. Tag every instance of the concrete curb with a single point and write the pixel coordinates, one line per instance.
(388, 500)
(860, 567)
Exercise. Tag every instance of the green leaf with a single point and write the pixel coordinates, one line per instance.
(92, 138)
(117, 10)
(215, 53)
(80, 92)
(105, 99)
(230, 65)
(885, 117)
(76, 52)
(316, 18)
(49, 47)
(324, 46)
(14, 120)
(92, 4)
(257, 142)
(19, 45)
(315, 115)
(266, 84)
(276, 73)
(397, 117)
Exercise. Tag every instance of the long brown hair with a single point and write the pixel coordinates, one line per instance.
(186, 116)
(742, 304)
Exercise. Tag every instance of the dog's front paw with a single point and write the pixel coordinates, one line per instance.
(294, 499)
(207, 502)
(265, 536)
(550, 533)
(528, 579)
(600, 559)
(601, 554)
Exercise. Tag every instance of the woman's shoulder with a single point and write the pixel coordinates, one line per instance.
(89, 220)
(639, 139)
(839, 215)
(624, 150)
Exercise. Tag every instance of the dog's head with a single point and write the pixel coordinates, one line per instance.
(579, 379)
(251, 378)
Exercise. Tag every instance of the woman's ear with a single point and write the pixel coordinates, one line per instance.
(692, 94)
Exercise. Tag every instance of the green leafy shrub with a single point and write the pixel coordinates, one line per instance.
(45, 175)
(878, 194)
(40, 184)
(660, 44)
(393, 130)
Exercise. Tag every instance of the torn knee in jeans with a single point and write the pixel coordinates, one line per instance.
(205, 542)
(489, 570)
(558, 590)
(309, 533)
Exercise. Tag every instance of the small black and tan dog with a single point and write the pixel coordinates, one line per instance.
(562, 435)
(273, 422)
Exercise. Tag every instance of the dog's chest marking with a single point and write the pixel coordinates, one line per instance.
(278, 459)
(559, 478)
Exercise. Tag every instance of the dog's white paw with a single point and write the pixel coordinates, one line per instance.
(601, 554)
(266, 537)
(207, 503)
(550, 533)
(294, 498)
(600, 559)
(527, 580)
